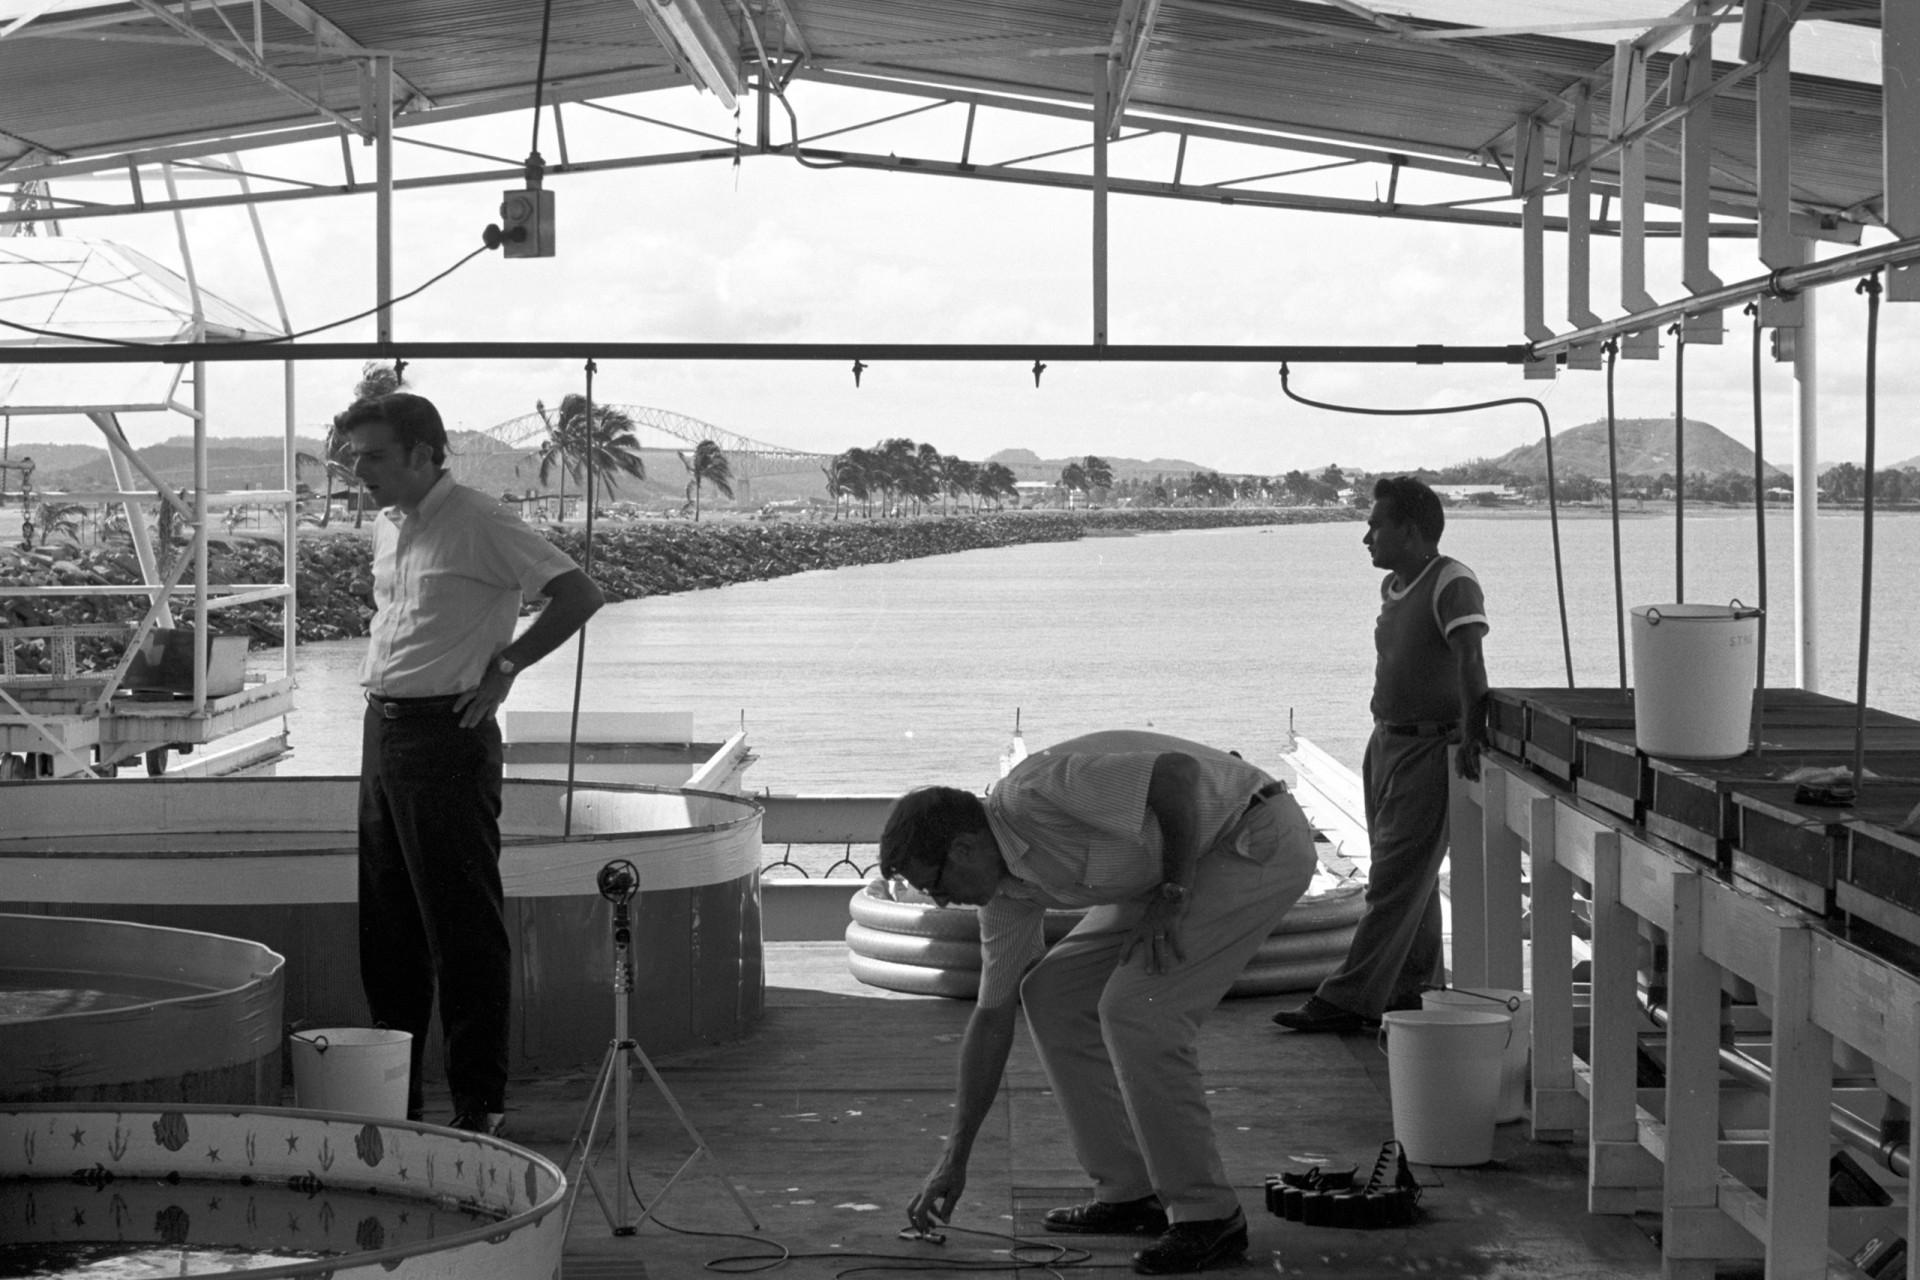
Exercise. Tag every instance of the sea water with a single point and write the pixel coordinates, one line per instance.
(882, 677)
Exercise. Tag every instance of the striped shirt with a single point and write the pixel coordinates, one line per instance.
(447, 585)
(1073, 827)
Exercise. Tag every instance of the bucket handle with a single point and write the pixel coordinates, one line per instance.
(1740, 612)
(1511, 1003)
(319, 1042)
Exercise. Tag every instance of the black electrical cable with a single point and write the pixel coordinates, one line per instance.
(1871, 287)
(1553, 496)
(253, 342)
(1679, 336)
(1046, 1255)
(1760, 523)
(1612, 349)
(540, 77)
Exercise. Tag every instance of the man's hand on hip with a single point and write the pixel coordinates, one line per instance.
(476, 706)
(1159, 932)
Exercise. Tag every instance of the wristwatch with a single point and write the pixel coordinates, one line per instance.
(1176, 893)
(505, 666)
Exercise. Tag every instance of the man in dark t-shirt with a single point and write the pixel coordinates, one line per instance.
(1429, 692)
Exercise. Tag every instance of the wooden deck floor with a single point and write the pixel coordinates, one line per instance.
(831, 1111)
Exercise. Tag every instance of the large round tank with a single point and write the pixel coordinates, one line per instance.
(273, 859)
(195, 1190)
(104, 1010)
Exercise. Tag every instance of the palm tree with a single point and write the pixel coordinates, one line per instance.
(997, 480)
(846, 478)
(609, 448)
(961, 476)
(1072, 476)
(1099, 474)
(55, 516)
(708, 466)
(929, 473)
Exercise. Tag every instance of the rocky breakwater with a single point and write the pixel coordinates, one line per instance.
(630, 561)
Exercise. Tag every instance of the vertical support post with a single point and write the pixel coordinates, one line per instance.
(1576, 133)
(1558, 1109)
(1102, 108)
(199, 537)
(1696, 178)
(1466, 856)
(1900, 133)
(1773, 115)
(1806, 491)
(1529, 168)
(381, 69)
(1694, 1227)
(1501, 846)
(290, 554)
(1798, 1112)
(1614, 1122)
(1629, 105)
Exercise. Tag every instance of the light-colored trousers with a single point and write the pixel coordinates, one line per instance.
(1397, 947)
(1117, 1043)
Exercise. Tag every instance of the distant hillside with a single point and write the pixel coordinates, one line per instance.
(1028, 465)
(1645, 448)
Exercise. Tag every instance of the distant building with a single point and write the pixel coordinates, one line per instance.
(1468, 492)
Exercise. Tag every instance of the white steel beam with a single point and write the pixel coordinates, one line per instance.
(302, 15)
(1576, 133)
(1767, 32)
(1900, 132)
(1696, 178)
(1806, 491)
(1102, 103)
(1529, 160)
(246, 63)
(1629, 105)
(1132, 37)
(381, 72)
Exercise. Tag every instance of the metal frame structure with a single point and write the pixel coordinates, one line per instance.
(65, 712)
(1633, 110)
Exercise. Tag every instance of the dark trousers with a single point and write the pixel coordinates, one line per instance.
(1398, 947)
(431, 907)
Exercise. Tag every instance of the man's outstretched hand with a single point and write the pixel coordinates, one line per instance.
(933, 1206)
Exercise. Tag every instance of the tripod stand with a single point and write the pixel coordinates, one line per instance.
(619, 883)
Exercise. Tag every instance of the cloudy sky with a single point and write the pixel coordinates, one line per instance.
(771, 251)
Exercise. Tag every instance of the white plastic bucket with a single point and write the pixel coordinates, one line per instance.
(1694, 667)
(357, 1070)
(1518, 1005)
(1443, 1069)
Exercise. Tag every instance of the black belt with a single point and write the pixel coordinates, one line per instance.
(405, 708)
(1429, 729)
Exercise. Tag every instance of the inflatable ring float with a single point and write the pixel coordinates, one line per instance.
(900, 940)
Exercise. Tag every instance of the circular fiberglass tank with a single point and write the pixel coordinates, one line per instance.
(273, 859)
(99, 1010)
(195, 1190)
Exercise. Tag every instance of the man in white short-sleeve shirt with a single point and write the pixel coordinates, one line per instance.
(450, 568)
(1187, 857)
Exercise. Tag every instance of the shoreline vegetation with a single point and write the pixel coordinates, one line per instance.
(630, 561)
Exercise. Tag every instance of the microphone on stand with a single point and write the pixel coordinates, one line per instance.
(618, 881)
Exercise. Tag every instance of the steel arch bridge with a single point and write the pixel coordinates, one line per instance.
(750, 458)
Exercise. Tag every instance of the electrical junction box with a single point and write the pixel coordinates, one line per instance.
(526, 223)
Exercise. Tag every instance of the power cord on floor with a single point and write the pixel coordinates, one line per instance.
(1022, 1255)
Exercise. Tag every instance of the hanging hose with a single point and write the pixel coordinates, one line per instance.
(1871, 287)
(1553, 496)
(1760, 536)
(1679, 334)
(1613, 498)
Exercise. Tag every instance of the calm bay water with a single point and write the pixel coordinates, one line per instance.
(883, 677)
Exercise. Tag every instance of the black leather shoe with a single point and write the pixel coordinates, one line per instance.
(482, 1122)
(1194, 1246)
(1142, 1217)
(1321, 1015)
